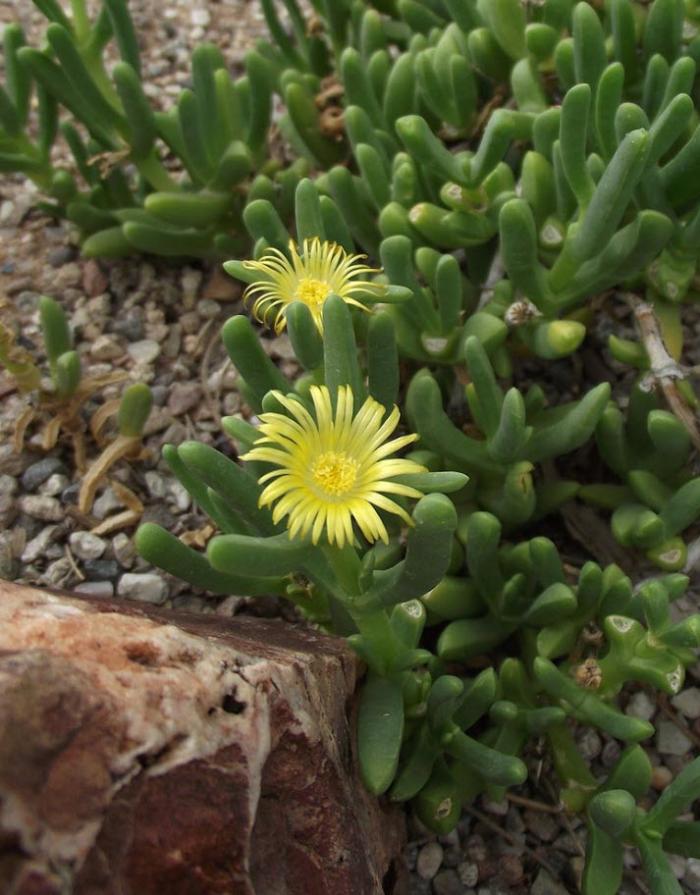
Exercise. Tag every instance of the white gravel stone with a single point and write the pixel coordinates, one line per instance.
(106, 347)
(37, 546)
(105, 504)
(155, 484)
(147, 587)
(123, 549)
(678, 865)
(8, 485)
(688, 703)
(208, 308)
(55, 484)
(492, 807)
(86, 545)
(7, 209)
(691, 877)
(200, 17)
(48, 509)
(429, 860)
(670, 740)
(468, 873)
(640, 706)
(145, 351)
(179, 494)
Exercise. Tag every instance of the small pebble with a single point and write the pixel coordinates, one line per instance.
(55, 484)
(86, 545)
(208, 308)
(8, 485)
(105, 504)
(678, 865)
(641, 706)
(94, 280)
(160, 394)
(189, 321)
(70, 493)
(452, 857)
(156, 484)
(544, 826)
(37, 546)
(146, 587)
(130, 325)
(610, 754)
(183, 397)
(429, 860)
(47, 509)
(12, 463)
(476, 848)
(691, 877)
(228, 607)
(660, 778)
(59, 573)
(545, 885)
(179, 494)
(144, 351)
(670, 740)
(447, 883)
(688, 703)
(468, 873)
(589, 744)
(493, 807)
(60, 256)
(124, 550)
(39, 472)
(106, 347)
(101, 569)
(7, 209)
(190, 603)
(200, 17)
(104, 589)
(511, 870)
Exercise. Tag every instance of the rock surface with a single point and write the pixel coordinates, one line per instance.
(145, 752)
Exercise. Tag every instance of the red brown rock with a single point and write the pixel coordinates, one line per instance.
(144, 752)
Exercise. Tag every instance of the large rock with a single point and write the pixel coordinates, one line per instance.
(144, 752)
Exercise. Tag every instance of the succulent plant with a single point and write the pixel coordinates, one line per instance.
(474, 184)
(132, 201)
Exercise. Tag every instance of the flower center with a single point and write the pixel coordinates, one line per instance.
(312, 292)
(334, 472)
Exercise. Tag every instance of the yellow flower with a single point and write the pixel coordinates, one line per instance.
(333, 469)
(322, 268)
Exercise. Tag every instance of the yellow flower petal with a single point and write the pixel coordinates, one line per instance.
(320, 269)
(333, 467)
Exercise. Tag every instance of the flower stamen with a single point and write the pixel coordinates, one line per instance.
(335, 473)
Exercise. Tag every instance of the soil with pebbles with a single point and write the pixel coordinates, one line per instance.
(159, 323)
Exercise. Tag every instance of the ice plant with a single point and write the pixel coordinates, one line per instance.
(333, 469)
(321, 269)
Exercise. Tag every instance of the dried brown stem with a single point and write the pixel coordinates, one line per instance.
(664, 370)
(20, 431)
(534, 804)
(122, 446)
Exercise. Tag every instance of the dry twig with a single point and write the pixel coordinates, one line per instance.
(664, 370)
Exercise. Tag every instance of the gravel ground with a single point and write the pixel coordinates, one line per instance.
(159, 323)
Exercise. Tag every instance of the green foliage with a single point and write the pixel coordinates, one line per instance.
(511, 171)
(118, 191)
